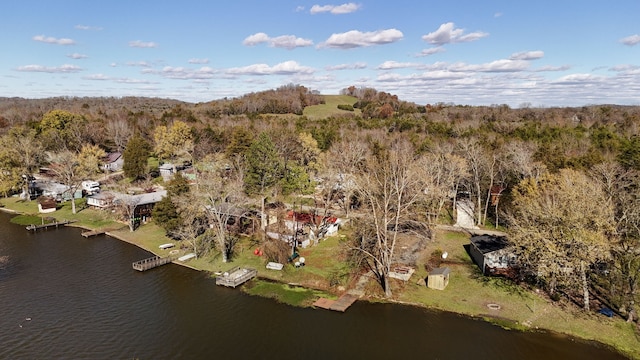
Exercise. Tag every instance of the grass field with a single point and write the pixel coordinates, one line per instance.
(330, 107)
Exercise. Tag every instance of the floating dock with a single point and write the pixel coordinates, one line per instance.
(152, 262)
(236, 276)
(342, 304)
(33, 227)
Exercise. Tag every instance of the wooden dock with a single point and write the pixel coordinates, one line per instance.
(93, 233)
(34, 227)
(152, 262)
(236, 276)
(342, 304)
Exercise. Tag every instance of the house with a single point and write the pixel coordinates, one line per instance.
(102, 200)
(306, 228)
(113, 161)
(58, 191)
(493, 254)
(438, 278)
(239, 219)
(143, 203)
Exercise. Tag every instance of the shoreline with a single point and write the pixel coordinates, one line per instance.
(502, 321)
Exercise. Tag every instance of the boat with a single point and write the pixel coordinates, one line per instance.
(187, 257)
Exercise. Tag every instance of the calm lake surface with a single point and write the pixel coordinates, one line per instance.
(84, 301)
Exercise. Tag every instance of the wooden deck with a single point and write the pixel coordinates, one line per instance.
(93, 233)
(236, 276)
(152, 262)
(33, 227)
(342, 304)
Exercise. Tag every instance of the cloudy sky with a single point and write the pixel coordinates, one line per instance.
(542, 53)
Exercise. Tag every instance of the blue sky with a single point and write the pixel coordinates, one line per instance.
(542, 53)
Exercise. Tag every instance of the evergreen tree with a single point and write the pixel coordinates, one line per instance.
(135, 157)
(165, 214)
(263, 165)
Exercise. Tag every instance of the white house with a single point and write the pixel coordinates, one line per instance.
(113, 162)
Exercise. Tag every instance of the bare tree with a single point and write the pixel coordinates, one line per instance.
(389, 186)
(221, 194)
(119, 131)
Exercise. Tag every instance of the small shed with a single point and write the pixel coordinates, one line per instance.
(438, 278)
(46, 204)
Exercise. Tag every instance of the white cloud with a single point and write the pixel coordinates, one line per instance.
(255, 39)
(52, 40)
(354, 38)
(390, 65)
(182, 73)
(527, 55)
(497, 15)
(87, 27)
(198, 61)
(553, 68)
(579, 79)
(77, 56)
(335, 9)
(288, 42)
(103, 77)
(447, 33)
(142, 44)
(625, 67)
(138, 63)
(631, 40)
(431, 51)
(285, 68)
(100, 77)
(66, 68)
(502, 65)
(354, 66)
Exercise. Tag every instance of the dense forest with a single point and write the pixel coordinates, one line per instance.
(569, 178)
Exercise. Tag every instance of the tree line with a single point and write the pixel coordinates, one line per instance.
(569, 175)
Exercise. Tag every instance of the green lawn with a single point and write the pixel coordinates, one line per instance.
(330, 107)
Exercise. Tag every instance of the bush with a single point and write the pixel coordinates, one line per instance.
(346, 107)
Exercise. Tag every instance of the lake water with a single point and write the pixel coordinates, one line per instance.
(66, 297)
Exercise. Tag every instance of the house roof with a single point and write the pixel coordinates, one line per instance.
(141, 199)
(150, 198)
(489, 243)
(307, 218)
(112, 157)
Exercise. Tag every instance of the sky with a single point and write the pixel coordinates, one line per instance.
(520, 53)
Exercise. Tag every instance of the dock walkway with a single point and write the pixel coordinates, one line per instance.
(236, 276)
(342, 304)
(34, 227)
(152, 262)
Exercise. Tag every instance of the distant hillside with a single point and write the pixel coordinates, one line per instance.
(330, 107)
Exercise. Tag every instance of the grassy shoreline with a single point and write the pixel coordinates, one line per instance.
(468, 293)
